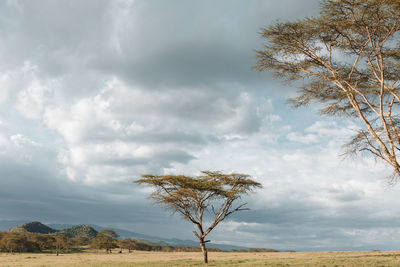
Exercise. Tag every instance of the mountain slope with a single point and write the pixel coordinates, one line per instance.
(7, 224)
(33, 227)
(84, 231)
(90, 231)
(123, 234)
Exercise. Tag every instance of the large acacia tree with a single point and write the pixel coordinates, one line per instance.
(347, 60)
(191, 197)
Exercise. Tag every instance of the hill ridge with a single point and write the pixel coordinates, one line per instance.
(123, 233)
(37, 227)
(32, 227)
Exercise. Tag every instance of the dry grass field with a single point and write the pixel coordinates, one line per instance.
(140, 258)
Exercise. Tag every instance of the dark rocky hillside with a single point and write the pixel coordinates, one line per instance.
(33, 227)
(83, 231)
(79, 231)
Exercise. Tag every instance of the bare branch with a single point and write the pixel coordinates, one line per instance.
(348, 60)
(190, 196)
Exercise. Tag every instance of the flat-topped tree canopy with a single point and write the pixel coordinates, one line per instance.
(192, 196)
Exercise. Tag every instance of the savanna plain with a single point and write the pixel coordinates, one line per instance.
(144, 258)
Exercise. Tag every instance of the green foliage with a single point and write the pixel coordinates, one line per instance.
(18, 242)
(82, 231)
(192, 196)
(185, 194)
(129, 244)
(105, 239)
(31, 242)
(132, 244)
(44, 241)
(32, 227)
(61, 243)
(347, 60)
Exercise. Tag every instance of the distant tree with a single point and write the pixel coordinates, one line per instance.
(129, 244)
(60, 243)
(79, 241)
(18, 242)
(140, 245)
(105, 239)
(192, 196)
(348, 60)
(12, 242)
(44, 241)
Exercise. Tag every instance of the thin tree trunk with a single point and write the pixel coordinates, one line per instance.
(204, 250)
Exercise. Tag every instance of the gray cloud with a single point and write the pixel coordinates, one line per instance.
(95, 93)
(210, 48)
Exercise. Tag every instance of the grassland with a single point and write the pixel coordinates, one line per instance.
(141, 258)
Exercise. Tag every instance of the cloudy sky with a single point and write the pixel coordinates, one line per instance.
(95, 93)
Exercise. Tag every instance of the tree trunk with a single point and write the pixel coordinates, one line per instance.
(204, 250)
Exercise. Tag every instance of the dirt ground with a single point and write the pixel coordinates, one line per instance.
(142, 258)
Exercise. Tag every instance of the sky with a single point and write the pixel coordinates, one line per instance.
(95, 93)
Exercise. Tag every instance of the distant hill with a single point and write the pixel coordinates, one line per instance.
(7, 224)
(123, 234)
(84, 231)
(32, 227)
(90, 231)
(79, 231)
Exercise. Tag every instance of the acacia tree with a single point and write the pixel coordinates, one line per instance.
(60, 243)
(193, 196)
(44, 241)
(14, 242)
(348, 59)
(18, 242)
(128, 244)
(105, 239)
